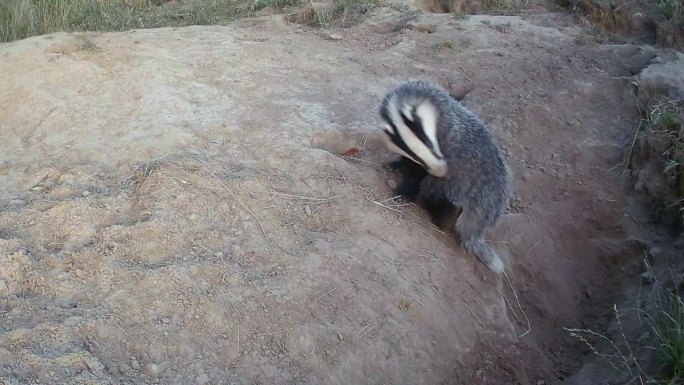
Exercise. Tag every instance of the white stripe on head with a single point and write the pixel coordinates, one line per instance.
(427, 113)
(435, 166)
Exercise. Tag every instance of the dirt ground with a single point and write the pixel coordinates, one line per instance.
(173, 210)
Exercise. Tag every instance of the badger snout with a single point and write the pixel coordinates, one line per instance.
(439, 170)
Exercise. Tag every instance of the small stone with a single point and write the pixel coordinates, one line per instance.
(85, 193)
(152, 370)
(541, 382)
(219, 254)
(334, 36)
(647, 277)
(339, 337)
(79, 273)
(392, 183)
(166, 320)
(655, 252)
(307, 210)
(135, 365)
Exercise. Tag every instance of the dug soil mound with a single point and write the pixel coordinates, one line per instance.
(176, 205)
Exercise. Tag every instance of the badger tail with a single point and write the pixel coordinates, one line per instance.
(470, 227)
(484, 254)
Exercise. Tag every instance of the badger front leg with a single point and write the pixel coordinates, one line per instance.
(412, 175)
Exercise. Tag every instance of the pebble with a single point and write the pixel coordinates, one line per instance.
(85, 193)
(647, 277)
(166, 320)
(152, 370)
(79, 273)
(655, 252)
(392, 183)
(307, 210)
(135, 365)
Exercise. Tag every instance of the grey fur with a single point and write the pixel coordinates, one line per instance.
(478, 179)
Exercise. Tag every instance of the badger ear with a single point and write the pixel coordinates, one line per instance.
(408, 112)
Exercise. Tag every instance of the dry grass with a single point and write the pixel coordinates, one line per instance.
(662, 18)
(667, 123)
(24, 18)
(658, 359)
(337, 13)
(661, 140)
(502, 7)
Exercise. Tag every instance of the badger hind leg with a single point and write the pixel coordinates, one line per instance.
(442, 212)
(470, 229)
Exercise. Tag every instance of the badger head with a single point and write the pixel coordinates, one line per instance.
(410, 128)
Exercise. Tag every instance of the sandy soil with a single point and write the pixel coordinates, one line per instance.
(165, 217)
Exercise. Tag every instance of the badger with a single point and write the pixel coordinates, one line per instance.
(449, 163)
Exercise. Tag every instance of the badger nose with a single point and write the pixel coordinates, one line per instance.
(439, 170)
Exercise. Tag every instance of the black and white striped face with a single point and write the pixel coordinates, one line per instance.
(411, 131)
